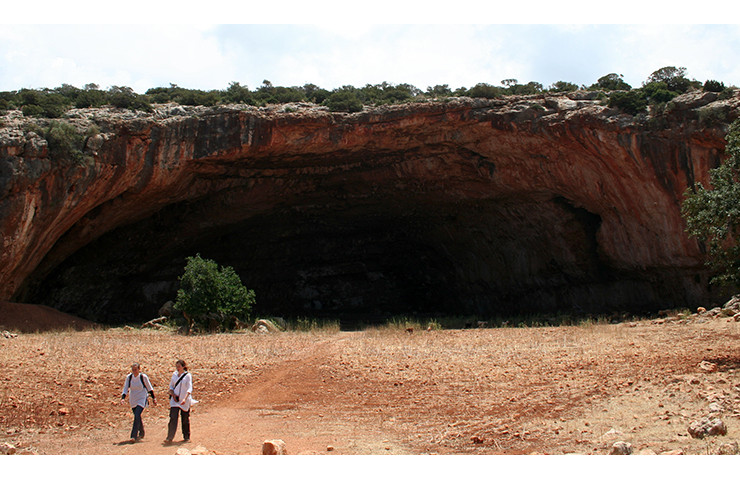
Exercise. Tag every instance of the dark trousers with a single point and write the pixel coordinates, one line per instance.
(172, 427)
(138, 428)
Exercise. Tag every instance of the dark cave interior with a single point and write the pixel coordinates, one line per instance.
(379, 257)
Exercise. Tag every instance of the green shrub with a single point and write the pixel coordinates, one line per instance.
(658, 92)
(713, 214)
(125, 97)
(726, 94)
(90, 98)
(207, 290)
(439, 91)
(238, 94)
(64, 141)
(713, 86)
(710, 115)
(37, 103)
(484, 90)
(631, 102)
(563, 87)
(609, 82)
(344, 99)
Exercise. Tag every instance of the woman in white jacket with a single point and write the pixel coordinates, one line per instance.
(137, 386)
(180, 390)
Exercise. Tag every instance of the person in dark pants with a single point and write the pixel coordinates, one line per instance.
(138, 387)
(180, 390)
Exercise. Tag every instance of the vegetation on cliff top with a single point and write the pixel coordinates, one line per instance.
(662, 85)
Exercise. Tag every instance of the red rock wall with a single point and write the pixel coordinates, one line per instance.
(534, 167)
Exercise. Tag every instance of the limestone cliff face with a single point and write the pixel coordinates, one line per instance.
(465, 206)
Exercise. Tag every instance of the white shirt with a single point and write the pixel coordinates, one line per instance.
(182, 390)
(135, 390)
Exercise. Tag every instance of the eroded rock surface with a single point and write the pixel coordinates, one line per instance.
(464, 206)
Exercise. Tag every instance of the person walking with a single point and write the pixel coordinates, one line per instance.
(138, 388)
(181, 391)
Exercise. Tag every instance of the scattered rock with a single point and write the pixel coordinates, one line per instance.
(701, 310)
(7, 449)
(330, 448)
(274, 447)
(182, 451)
(63, 411)
(715, 407)
(672, 452)
(200, 450)
(647, 451)
(736, 317)
(707, 427)
(476, 439)
(265, 326)
(612, 434)
(729, 449)
(708, 367)
(733, 304)
(155, 323)
(7, 334)
(621, 448)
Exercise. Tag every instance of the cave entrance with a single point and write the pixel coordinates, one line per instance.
(368, 261)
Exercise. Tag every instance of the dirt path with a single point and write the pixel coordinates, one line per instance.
(290, 401)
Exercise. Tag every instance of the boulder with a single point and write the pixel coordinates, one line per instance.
(673, 452)
(266, 325)
(729, 449)
(200, 450)
(715, 407)
(7, 449)
(154, 323)
(708, 367)
(647, 451)
(707, 427)
(166, 309)
(733, 304)
(621, 448)
(274, 447)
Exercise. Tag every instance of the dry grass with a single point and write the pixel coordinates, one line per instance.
(510, 390)
(83, 371)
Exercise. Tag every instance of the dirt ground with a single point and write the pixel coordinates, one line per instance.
(548, 390)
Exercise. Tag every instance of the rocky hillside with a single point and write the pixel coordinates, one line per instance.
(464, 206)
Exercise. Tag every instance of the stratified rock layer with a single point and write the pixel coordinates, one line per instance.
(465, 206)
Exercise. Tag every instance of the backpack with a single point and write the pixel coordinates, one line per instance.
(141, 377)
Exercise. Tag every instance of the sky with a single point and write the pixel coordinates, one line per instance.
(330, 43)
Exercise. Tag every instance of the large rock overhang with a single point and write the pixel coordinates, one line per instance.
(486, 207)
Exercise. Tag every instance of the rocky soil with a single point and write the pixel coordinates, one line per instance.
(639, 387)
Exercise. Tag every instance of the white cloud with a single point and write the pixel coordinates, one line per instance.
(211, 56)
